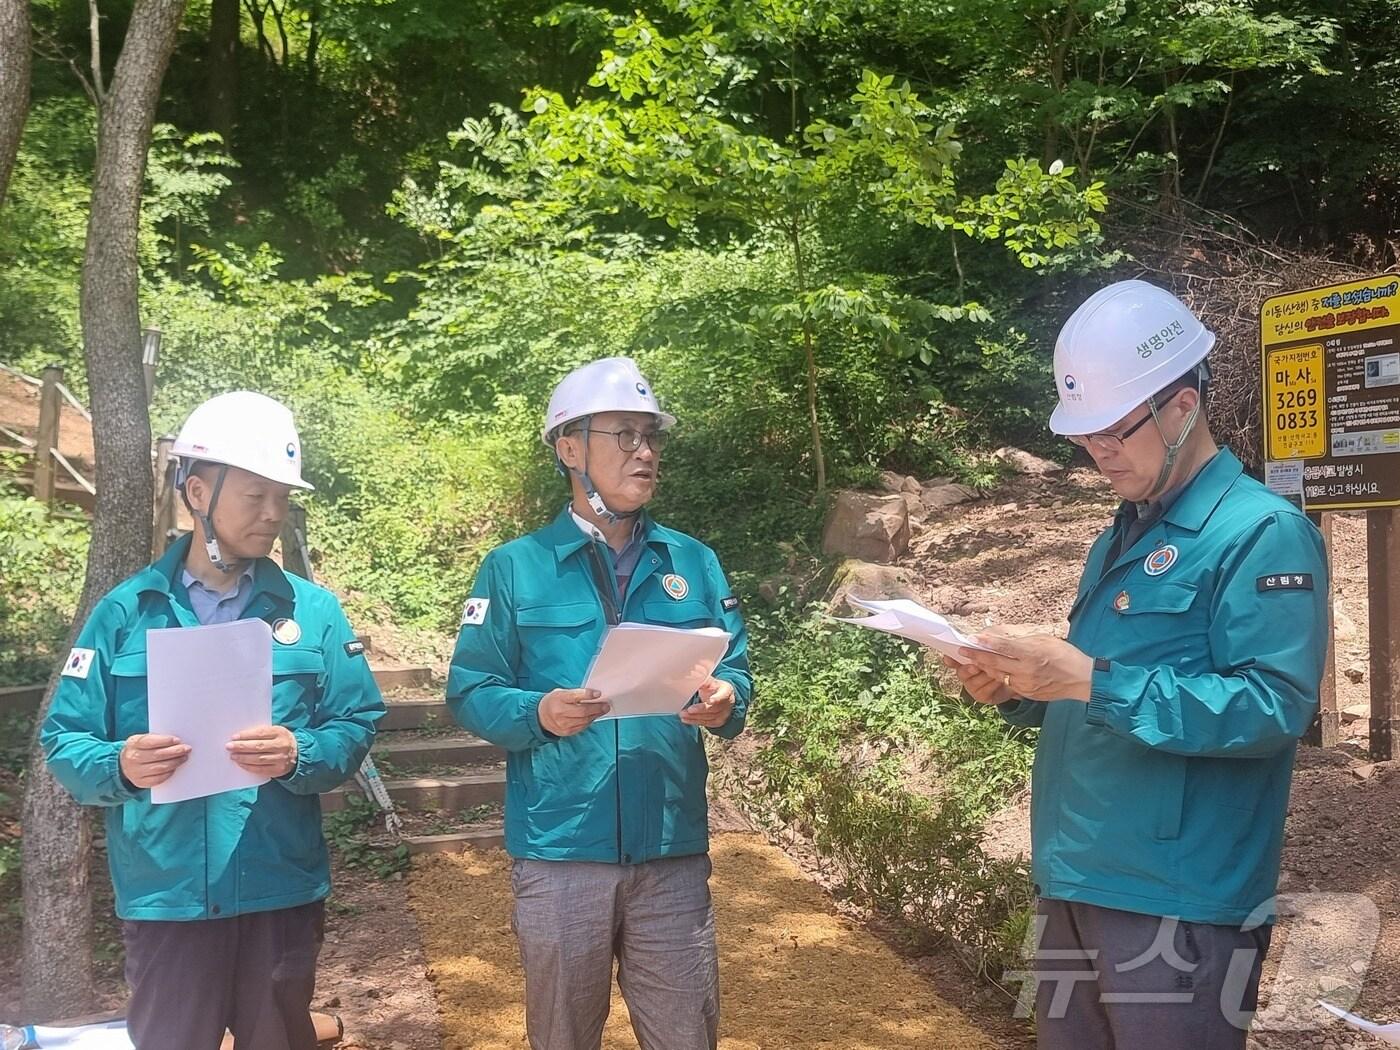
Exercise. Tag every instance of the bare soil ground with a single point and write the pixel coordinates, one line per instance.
(795, 975)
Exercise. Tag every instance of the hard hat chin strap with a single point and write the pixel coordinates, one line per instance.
(206, 522)
(1173, 447)
(590, 491)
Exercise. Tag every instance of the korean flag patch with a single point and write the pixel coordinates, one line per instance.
(79, 663)
(474, 612)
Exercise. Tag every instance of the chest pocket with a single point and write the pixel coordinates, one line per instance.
(1159, 598)
(688, 613)
(557, 643)
(1164, 623)
(297, 673)
(129, 687)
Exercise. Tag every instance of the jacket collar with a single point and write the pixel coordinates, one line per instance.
(163, 576)
(1204, 492)
(564, 535)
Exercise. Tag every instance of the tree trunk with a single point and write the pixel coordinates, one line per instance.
(57, 951)
(14, 83)
(221, 103)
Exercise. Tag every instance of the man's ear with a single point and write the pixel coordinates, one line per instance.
(567, 449)
(197, 493)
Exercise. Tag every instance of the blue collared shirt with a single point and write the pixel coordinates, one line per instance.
(211, 606)
(625, 563)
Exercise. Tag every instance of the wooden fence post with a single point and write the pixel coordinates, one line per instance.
(1382, 564)
(47, 438)
(166, 495)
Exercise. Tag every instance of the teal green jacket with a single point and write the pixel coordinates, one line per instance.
(622, 791)
(250, 850)
(1166, 793)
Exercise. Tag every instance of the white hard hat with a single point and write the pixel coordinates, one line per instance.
(247, 430)
(610, 384)
(1124, 344)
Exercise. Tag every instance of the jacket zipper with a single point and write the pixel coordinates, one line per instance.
(612, 616)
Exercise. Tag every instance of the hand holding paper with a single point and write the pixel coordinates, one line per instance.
(266, 750)
(1034, 666)
(207, 685)
(647, 670)
(148, 759)
(565, 712)
(715, 706)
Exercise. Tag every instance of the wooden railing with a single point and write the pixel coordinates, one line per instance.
(45, 463)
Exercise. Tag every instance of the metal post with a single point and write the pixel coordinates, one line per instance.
(47, 438)
(1327, 717)
(1382, 563)
(296, 556)
(150, 354)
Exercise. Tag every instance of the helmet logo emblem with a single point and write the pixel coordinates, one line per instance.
(287, 632)
(1160, 560)
(291, 450)
(641, 389)
(675, 586)
(1070, 382)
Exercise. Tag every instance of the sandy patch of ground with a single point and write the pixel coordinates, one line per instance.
(795, 975)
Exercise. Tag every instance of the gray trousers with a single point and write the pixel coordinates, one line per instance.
(252, 974)
(1117, 980)
(573, 918)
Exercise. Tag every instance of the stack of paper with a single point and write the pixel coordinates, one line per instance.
(909, 619)
(207, 684)
(647, 670)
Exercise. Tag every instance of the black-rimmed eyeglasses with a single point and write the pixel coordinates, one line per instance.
(631, 440)
(1109, 443)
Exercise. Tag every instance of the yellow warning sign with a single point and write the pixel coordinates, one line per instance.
(1295, 420)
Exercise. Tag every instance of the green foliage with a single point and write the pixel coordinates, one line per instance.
(891, 778)
(347, 831)
(184, 175)
(41, 562)
(43, 221)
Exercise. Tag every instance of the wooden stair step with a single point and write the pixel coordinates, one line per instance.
(438, 751)
(415, 712)
(456, 792)
(411, 677)
(489, 836)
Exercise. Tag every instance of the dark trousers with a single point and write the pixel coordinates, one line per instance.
(1117, 980)
(252, 974)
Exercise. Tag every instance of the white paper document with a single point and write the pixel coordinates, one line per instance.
(646, 670)
(909, 619)
(206, 684)
(111, 1035)
(1386, 1033)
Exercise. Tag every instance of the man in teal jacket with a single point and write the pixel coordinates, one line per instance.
(1169, 719)
(606, 821)
(221, 897)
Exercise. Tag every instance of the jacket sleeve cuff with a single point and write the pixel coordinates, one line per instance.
(122, 789)
(1016, 711)
(1112, 689)
(532, 715)
(308, 757)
